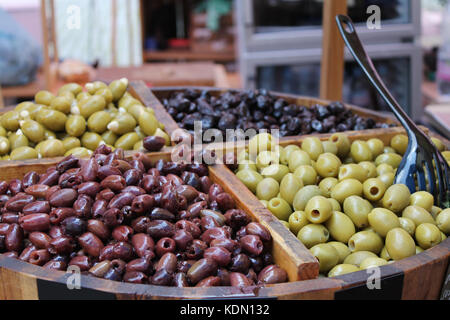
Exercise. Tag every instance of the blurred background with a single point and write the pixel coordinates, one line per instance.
(271, 44)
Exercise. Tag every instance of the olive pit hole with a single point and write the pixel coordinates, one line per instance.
(351, 245)
(315, 213)
(374, 191)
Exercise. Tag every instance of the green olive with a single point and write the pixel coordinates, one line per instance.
(33, 130)
(250, 178)
(61, 104)
(18, 139)
(307, 174)
(304, 195)
(265, 159)
(374, 189)
(297, 221)
(384, 168)
(327, 255)
(391, 159)
(340, 226)
(267, 189)
(376, 146)
(328, 165)
(435, 211)
(265, 203)
(261, 142)
(71, 143)
(91, 140)
(387, 179)
(280, 208)
(52, 119)
(327, 184)
(127, 100)
(335, 204)
(389, 150)
(313, 146)
(360, 151)
(399, 244)
(418, 214)
(342, 250)
(443, 237)
(419, 250)
(366, 241)
(2, 132)
(243, 156)
(76, 125)
(106, 94)
(67, 95)
(372, 262)
(428, 235)
(313, 234)
(139, 146)
(73, 88)
(123, 123)
(5, 146)
(357, 257)
(127, 141)
(91, 105)
(98, 122)
(370, 168)
(329, 147)
(342, 269)
(400, 143)
(118, 88)
(93, 87)
(52, 148)
(79, 153)
(44, 97)
(286, 153)
(10, 120)
(148, 123)
(50, 134)
(408, 225)
(285, 224)
(342, 143)
(24, 153)
(422, 199)
(318, 209)
(443, 221)
(289, 187)
(136, 110)
(347, 188)
(247, 165)
(385, 254)
(438, 143)
(298, 158)
(396, 198)
(383, 220)
(352, 171)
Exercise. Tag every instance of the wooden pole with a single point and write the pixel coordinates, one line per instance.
(332, 69)
(53, 31)
(45, 40)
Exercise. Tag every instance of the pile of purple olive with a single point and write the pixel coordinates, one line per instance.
(128, 220)
(260, 110)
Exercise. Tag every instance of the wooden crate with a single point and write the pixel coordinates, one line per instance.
(418, 277)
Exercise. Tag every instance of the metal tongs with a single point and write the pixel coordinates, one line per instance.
(422, 158)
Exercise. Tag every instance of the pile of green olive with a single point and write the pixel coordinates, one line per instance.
(340, 200)
(76, 121)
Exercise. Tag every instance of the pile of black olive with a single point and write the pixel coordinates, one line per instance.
(258, 109)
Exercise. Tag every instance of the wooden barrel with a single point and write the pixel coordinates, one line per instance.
(417, 277)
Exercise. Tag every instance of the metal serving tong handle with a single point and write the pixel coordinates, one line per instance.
(348, 31)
